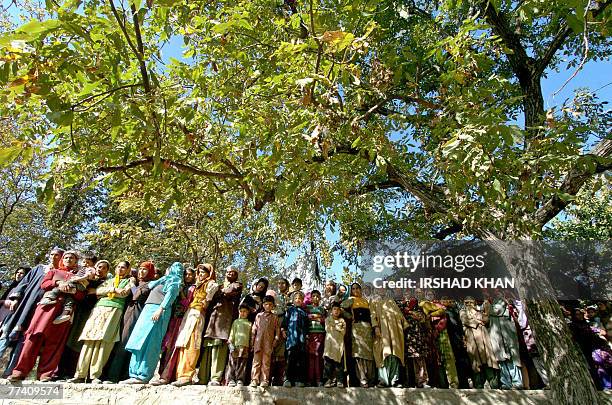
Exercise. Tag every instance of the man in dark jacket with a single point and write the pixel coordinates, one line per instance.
(22, 303)
(224, 309)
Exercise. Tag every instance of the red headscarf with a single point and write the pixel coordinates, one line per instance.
(150, 270)
(412, 303)
(62, 266)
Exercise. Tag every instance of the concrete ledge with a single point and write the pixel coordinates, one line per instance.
(87, 394)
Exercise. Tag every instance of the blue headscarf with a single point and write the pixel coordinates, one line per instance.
(172, 280)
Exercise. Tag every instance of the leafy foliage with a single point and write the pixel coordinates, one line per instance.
(589, 218)
(306, 105)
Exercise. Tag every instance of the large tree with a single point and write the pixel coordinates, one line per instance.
(383, 117)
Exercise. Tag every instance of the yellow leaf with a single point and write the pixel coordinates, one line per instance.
(333, 36)
(20, 81)
(337, 39)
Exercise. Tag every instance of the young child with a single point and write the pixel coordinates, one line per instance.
(316, 339)
(265, 334)
(335, 328)
(79, 283)
(294, 329)
(239, 346)
(592, 318)
(277, 367)
(296, 286)
(89, 260)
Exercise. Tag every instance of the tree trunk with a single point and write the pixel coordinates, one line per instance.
(533, 103)
(569, 378)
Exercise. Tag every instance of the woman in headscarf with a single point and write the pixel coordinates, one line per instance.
(167, 362)
(388, 347)
(416, 338)
(328, 295)
(145, 341)
(436, 312)
(117, 366)
(342, 293)
(361, 342)
(189, 338)
(70, 357)
(223, 309)
(504, 341)
(595, 348)
(44, 337)
(254, 300)
(101, 330)
(478, 344)
(5, 302)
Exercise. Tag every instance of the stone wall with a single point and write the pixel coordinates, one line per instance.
(87, 394)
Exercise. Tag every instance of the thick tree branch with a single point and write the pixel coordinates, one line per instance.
(597, 161)
(450, 230)
(267, 197)
(523, 67)
(519, 60)
(138, 51)
(238, 173)
(8, 209)
(431, 196)
(419, 101)
(181, 167)
(560, 38)
(370, 110)
(554, 46)
(338, 150)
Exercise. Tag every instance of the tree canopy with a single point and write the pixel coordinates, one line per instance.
(424, 118)
(281, 120)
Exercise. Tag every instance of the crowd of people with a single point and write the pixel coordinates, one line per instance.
(85, 321)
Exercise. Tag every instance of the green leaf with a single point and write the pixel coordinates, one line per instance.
(61, 118)
(71, 179)
(120, 188)
(136, 3)
(567, 197)
(55, 103)
(28, 155)
(8, 155)
(450, 145)
(497, 186)
(575, 23)
(167, 207)
(5, 72)
(48, 194)
(89, 87)
(222, 28)
(168, 3)
(70, 6)
(36, 27)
